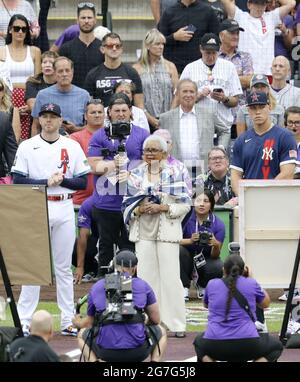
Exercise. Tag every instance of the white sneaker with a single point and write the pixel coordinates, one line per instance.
(283, 297)
(293, 327)
(296, 296)
(261, 327)
(186, 294)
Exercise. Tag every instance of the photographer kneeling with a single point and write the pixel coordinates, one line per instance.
(117, 304)
(200, 248)
(231, 334)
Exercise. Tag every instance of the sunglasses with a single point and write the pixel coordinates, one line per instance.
(18, 29)
(86, 5)
(112, 46)
(1, 88)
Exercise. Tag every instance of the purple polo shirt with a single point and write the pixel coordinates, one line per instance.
(120, 336)
(238, 324)
(109, 196)
(217, 228)
(84, 219)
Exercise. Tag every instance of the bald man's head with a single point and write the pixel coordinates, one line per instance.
(42, 323)
(280, 68)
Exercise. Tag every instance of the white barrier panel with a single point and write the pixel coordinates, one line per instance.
(269, 229)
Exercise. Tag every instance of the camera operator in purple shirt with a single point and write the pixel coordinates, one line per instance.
(203, 234)
(109, 158)
(121, 337)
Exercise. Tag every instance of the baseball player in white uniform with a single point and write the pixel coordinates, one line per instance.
(217, 80)
(59, 163)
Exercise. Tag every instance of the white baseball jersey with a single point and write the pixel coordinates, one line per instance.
(38, 159)
(258, 38)
(287, 96)
(223, 75)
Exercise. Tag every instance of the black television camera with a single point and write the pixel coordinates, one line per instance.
(205, 236)
(118, 130)
(119, 299)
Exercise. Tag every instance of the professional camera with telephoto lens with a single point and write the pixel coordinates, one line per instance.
(118, 129)
(119, 299)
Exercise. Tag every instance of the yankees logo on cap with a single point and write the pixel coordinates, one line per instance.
(257, 98)
(50, 108)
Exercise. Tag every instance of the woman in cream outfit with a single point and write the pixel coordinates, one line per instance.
(157, 203)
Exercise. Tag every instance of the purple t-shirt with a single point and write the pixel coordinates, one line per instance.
(217, 228)
(84, 219)
(121, 336)
(238, 324)
(107, 195)
(280, 48)
(260, 156)
(68, 34)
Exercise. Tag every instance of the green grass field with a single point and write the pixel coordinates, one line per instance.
(196, 316)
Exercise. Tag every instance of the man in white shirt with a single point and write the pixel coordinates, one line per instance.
(259, 25)
(217, 80)
(286, 94)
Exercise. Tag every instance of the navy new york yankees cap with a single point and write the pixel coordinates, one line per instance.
(50, 108)
(257, 98)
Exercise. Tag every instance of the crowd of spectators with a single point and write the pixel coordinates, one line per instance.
(209, 101)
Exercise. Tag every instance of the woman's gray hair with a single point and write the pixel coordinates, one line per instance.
(156, 138)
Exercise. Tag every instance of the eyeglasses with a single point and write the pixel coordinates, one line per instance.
(215, 159)
(152, 150)
(87, 5)
(16, 28)
(293, 123)
(1, 88)
(112, 46)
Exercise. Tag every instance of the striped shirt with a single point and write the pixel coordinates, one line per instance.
(287, 96)
(223, 75)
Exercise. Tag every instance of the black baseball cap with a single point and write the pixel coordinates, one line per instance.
(126, 258)
(257, 98)
(210, 41)
(50, 108)
(230, 26)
